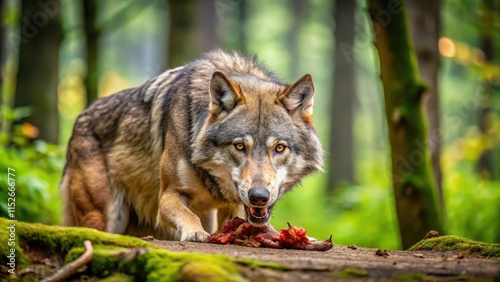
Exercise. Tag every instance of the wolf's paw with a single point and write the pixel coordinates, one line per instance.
(195, 236)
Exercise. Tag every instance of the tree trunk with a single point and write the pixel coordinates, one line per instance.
(207, 31)
(425, 27)
(414, 187)
(341, 158)
(37, 76)
(487, 164)
(298, 9)
(242, 19)
(183, 44)
(92, 49)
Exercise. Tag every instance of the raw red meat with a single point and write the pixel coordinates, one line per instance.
(239, 231)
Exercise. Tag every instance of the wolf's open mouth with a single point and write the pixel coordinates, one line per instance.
(258, 215)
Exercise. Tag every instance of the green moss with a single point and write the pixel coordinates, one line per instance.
(118, 277)
(414, 277)
(259, 264)
(159, 265)
(203, 271)
(350, 273)
(60, 238)
(456, 243)
(191, 267)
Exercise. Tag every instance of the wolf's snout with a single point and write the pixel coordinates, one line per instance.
(258, 196)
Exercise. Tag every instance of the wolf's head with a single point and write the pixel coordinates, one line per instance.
(258, 140)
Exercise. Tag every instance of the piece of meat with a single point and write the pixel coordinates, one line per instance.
(239, 231)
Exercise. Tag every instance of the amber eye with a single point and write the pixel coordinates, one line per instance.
(279, 148)
(239, 146)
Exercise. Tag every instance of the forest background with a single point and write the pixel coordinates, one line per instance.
(57, 56)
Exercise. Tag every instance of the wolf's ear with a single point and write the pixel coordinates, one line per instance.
(298, 98)
(224, 94)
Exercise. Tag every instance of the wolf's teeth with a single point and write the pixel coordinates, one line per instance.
(262, 211)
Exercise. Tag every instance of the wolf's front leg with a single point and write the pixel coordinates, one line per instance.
(172, 211)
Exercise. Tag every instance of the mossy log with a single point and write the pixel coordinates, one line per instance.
(457, 243)
(115, 256)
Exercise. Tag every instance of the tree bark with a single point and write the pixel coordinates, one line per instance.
(414, 187)
(425, 27)
(341, 158)
(92, 35)
(37, 76)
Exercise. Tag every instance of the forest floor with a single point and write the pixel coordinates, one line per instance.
(351, 263)
(43, 251)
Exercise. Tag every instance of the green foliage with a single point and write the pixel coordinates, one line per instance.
(37, 169)
(472, 205)
(362, 215)
(7, 116)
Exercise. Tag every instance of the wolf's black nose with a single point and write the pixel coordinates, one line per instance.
(258, 196)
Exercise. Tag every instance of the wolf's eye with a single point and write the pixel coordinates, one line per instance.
(279, 148)
(239, 147)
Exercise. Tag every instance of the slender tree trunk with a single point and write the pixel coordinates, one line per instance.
(414, 187)
(425, 27)
(92, 49)
(183, 45)
(341, 158)
(37, 76)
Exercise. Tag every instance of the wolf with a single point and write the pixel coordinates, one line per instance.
(190, 149)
